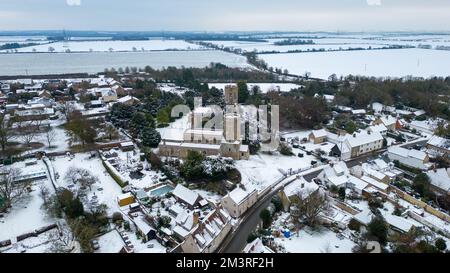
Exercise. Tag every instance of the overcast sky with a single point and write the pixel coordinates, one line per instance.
(221, 15)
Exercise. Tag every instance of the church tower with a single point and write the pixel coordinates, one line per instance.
(231, 94)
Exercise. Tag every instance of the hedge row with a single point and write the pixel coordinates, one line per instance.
(114, 174)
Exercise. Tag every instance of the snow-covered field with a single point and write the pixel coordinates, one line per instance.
(95, 62)
(269, 46)
(378, 63)
(105, 46)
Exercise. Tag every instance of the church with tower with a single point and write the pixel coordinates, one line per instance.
(225, 141)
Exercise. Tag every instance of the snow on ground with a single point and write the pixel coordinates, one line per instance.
(269, 46)
(316, 242)
(310, 241)
(378, 63)
(95, 62)
(106, 189)
(176, 129)
(208, 195)
(26, 215)
(264, 87)
(39, 244)
(105, 46)
(262, 170)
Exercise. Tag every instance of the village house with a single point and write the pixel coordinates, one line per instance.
(440, 180)
(144, 228)
(379, 128)
(186, 196)
(47, 102)
(357, 144)
(37, 113)
(439, 146)
(424, 126)
(300, 188)
(318, 136)
(208, 233)
(106, 94)
(129, 100)
(389, 121)
(396, 224)
(363, 143)
(409, 157)
(239, 200)
(335, 175)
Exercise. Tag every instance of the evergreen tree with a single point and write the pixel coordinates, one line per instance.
(150, 137)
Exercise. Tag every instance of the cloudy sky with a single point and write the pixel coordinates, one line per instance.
(221, 15)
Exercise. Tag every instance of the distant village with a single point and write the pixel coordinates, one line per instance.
(88, 167)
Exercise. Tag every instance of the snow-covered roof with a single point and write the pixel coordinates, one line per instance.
(357, 183)
(127, 144)
(257, 247)
(440, 178)
(419, 113)
(424, 125)
(181, 231)
(127, 98)
(398, 222)
(381, 164)
(338, 180)
(377, 128)
(364, 217)
(363, 138)
(339, 169)
(369, 170)
(240, 193)
(185, 194)
(110, 242)
(359, 112)
(407, 153)
(388, 120)
(217, 133)
(142, 225)
(301, 188)
(439, 142)
(374, 183)
(319, 133)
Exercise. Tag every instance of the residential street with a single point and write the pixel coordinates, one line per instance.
(236, 241)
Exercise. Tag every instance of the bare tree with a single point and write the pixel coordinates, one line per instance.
(5, 131)
(67, 109)
(63, 240)
(310, 204)
(72, 175)
(111, 132)
(50, 135)
(27, 135)
(44, 193)
(10, 189)
(81, 176)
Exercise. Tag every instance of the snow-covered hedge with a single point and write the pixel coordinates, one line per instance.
(114, 174)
